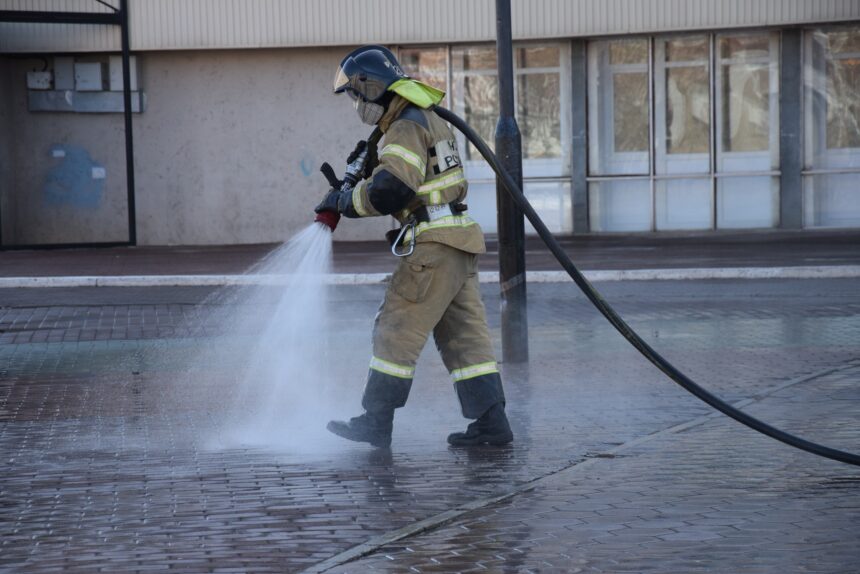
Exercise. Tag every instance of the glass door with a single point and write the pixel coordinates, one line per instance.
(683, 111)
(747, 130)
(832, 101)
(619, 135)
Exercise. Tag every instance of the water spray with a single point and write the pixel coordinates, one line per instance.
(612, 316)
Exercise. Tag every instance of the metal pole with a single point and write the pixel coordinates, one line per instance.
(791, 130)
(511, 225)
(129, 136)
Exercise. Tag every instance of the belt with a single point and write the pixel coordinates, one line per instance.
(424, 214)
(427, 213)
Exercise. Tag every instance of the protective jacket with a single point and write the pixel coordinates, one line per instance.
(419, 176)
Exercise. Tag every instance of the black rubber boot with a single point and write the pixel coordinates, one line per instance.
(374, 428)
(491, 428)
(482, 398)
(382, 394)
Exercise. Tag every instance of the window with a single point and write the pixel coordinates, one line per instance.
(683, 67)
(538, 89)
(843, 80)
(540, 103)
(426, 65)
(618, 92)
(832, 127)
(745, 93)
(476, 92)
(542, 96)
(683, 132)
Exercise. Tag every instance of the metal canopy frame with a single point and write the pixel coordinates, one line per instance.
(118, 16)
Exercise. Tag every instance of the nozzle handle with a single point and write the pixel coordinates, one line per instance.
(328, 172)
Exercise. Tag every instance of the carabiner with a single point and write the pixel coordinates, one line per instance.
(409, 225)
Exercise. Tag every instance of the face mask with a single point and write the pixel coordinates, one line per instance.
(369, 112)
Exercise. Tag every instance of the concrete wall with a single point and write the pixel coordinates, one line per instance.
(62, 176)
(6, 181)
(57, 193)
(227, 151)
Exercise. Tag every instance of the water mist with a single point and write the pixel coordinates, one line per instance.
(261, 372)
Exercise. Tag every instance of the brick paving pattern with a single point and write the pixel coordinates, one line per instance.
(687, 502)
(102, 469)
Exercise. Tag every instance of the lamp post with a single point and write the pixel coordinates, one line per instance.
(511, 224)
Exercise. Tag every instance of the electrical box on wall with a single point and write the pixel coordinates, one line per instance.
(39, 80)
(90, 83)
(64, 73)
(89, 77)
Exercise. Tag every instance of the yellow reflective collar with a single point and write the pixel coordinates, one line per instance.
(418, 93)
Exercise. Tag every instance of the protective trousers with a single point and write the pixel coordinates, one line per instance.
(434, 289)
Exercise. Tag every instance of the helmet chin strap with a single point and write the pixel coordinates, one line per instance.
(369, 112)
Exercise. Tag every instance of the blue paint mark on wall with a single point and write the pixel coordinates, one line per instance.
(307, 164)
(306, 167)
(76, 179)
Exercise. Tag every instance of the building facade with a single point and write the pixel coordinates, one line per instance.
(636, 115)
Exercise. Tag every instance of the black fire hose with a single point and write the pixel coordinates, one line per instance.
(634, 339)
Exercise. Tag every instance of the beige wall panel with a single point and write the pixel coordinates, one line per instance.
(227, 151)
(205, 24)
(229, 148)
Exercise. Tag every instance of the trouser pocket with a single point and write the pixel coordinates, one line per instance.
(412, 279)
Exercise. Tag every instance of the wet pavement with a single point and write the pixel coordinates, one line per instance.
(614, 468)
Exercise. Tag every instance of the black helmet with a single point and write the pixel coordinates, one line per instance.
(367, 72)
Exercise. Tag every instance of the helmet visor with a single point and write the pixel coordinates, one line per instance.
(353, 80)
(341, 80)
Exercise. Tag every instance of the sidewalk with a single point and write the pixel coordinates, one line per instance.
(748, 254)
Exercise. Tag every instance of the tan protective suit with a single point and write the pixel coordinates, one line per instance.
(436, 287)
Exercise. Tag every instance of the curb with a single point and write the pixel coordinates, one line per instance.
(802, 272)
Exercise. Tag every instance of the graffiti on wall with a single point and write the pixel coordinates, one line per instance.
(75, 180)
(307, 163)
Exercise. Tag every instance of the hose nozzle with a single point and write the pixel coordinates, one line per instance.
(329, 218)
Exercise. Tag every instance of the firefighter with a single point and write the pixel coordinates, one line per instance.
(417, 177)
